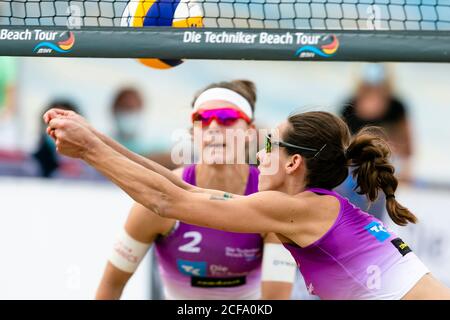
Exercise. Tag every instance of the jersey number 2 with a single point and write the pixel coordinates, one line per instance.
(192, 245)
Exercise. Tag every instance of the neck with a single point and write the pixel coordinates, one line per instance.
(293, 185)
(231, 178)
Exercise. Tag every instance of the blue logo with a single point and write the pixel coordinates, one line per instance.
(61, 47)
(378, 231)
(192, 268)
(315, 46)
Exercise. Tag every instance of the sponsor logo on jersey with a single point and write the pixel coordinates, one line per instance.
(249, 254)
(401, 246)
(218, 270)
(192, 268)
(378, 231)
(217, 282)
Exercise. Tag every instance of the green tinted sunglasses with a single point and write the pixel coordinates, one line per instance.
(269, 143)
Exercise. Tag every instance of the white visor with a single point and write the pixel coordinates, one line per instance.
(223, 94)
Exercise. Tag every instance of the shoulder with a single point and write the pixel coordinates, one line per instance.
(319, 214)
(277, 204)
(319, 208)
(299, 216)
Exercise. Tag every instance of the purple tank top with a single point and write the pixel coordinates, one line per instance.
(343, 262)
(202, 263)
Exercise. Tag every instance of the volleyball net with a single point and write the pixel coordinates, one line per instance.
(339, 30)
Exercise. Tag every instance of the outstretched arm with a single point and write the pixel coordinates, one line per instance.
(259, 213)
(143, 161)
(244, 214)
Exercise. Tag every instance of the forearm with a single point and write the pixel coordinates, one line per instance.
(108, 291)
(276, 290)
(146, 187)
(154, 166)
(156, 193)
(278, 270)
(112, 284)
(145, 162)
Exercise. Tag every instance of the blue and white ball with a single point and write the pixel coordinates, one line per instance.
(154, 13)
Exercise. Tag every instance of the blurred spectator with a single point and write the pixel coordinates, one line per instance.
(53, 165)
(128, 111)
(129, 116)
(375, 104)
(13, 162)
(17, 163)
(8, 74)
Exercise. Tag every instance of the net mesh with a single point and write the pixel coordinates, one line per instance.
(286, 14)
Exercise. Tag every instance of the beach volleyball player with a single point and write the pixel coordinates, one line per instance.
(197, 262)
(342, 252)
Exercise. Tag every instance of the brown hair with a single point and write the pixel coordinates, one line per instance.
(122, 93)
(367, 153)
(245, 88)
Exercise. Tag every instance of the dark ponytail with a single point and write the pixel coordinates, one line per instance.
(368, 154)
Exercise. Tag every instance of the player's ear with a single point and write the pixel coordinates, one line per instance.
(294, 162)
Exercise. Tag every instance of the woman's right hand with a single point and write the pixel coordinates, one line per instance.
(61, 113)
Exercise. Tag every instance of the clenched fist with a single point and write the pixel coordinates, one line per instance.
(73, 135)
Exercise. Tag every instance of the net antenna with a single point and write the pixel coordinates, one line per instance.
(332, 30)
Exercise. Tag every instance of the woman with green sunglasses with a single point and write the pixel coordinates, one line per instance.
(342, 252)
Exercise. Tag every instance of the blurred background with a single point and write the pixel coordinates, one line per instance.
(58, 217)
